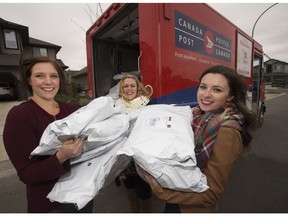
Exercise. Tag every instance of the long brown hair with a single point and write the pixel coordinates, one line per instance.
(238, 89)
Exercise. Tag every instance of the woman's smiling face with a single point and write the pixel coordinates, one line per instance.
(213, 92)
(130, 88)
(44, 80)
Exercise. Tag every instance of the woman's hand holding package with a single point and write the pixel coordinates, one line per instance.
(70, 149)
(148, 178)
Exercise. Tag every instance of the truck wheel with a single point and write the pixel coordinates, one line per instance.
(261, 115)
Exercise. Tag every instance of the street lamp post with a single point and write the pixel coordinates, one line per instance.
(260, 16)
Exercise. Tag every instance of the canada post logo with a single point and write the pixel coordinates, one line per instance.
(193, 36)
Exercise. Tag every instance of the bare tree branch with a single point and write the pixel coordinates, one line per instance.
(100, 6)
(78, 25)
(89, 15)
(93, 15)
(92, 12)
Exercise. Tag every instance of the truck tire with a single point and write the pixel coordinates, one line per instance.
(261, 115)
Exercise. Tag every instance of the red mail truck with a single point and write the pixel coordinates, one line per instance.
(170, 45)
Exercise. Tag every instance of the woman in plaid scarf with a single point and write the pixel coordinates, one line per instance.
(221, 127)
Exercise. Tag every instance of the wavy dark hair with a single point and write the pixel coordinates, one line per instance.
(26, 70)
(238, 89)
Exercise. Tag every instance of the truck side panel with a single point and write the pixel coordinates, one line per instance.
(182, 41)
(174, 42)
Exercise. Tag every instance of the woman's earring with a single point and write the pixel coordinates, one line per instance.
(230, 99)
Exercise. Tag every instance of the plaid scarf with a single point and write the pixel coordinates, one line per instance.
(206, 126)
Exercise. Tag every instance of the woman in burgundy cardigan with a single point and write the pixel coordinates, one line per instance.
(23, 129)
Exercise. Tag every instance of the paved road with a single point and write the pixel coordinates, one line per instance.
(258, 183)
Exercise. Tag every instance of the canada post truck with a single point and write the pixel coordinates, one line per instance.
(169, 45)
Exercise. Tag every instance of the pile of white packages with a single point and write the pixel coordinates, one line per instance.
(158, 137)
(104, 130)
(162, 143)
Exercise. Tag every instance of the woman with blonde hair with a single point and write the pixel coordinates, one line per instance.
(133, 95)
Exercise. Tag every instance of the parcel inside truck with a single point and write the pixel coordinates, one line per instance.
(168, 45)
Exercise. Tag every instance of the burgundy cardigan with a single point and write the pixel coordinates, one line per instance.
(23, 129)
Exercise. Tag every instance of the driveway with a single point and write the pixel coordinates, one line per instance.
(5, 106)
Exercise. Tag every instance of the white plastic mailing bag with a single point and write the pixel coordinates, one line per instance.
(99, 133)
(162, 143)
(102, 136)
(74, 125)
(86, 179)
(92, 153)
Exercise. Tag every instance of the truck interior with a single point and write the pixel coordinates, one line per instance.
(116, 49)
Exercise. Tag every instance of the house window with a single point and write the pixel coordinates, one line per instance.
(40, 51)
(277, 68)
(10, 39)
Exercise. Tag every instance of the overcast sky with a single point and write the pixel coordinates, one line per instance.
(65, 24)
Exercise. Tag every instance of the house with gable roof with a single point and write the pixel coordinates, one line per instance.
(16, 43)
(276, 72)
